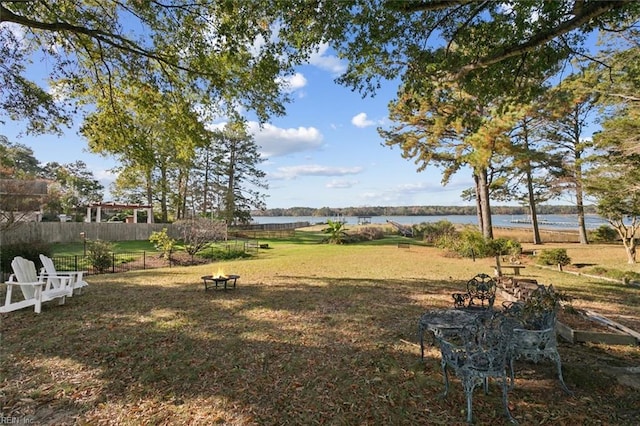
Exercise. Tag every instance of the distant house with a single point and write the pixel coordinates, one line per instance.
(22, 200)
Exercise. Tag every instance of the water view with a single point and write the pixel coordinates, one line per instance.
(514, 221)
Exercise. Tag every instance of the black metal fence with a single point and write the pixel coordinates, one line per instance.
(120, 262)
(133, 261)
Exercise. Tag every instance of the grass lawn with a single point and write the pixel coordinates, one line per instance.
(314, 334)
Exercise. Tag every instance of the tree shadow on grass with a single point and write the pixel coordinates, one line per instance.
(302, 350)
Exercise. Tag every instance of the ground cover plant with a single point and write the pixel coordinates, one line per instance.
(314, 334)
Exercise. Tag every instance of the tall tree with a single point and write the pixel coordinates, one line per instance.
(448, 128)
(17, 161)
(614, 182)
(74, 185)
(238, 176)
(570, 110)
(152, 132)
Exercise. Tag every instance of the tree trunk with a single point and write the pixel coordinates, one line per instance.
(205, 186)
(628, 237)
(478, 204)
(630, 248)
(582, 227)
(485, 204)
(532, 208)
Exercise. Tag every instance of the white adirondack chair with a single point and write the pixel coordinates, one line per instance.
(49, 272)
(34, 289)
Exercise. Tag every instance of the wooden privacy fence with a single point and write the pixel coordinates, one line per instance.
(70, 232)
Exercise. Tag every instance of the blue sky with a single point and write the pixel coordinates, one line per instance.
(325, 152)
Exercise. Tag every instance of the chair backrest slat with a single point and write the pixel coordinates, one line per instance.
(25, 272)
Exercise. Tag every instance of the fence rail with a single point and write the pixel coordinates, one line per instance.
(119, 262)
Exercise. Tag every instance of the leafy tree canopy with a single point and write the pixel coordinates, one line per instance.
(234, 50)
(225, 51)
(487, 47)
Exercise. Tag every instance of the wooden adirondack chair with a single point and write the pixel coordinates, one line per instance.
(49, 272)
(34, 289)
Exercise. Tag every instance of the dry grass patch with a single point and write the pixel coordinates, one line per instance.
(313, 334)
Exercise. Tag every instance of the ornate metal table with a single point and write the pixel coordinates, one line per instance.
(440, 320)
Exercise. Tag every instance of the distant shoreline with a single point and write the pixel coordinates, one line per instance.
(550, 222)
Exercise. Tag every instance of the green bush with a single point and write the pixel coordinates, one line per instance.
(336, 232)
(616, 274)
(467, 243)
(504, 246)
(471, 243)
(29, 251)
(431, 232)
(223, 254)
(604, 234)
(554, 257)
(100, 255)
(162, 242)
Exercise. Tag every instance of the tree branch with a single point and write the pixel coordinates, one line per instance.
(588, 12)
(115, 40)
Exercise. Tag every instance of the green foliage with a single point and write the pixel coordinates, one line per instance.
(29, 251)
(336, 232)
(616, 274)
(502, 246)
(468, 243)
(604, 234)
(223, 254)
(431, 232)
(99, 254)
(471, 243)
(554, 257)
(162, 242)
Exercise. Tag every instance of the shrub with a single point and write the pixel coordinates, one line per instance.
(624, 276)
(468, 243)
(504, 246)
(29, 251)
(162, 242)
(604, 234)
(367, 233)
(337, 234)
(99, 255)
(223, 254)
(471, 243)
(554, 257)
(432, 232)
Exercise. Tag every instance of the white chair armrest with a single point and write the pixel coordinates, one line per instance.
(33, 284)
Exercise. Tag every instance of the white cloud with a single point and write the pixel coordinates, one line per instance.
(275, 141)
(407, 194)
(361, 120)
(292, 83)
(329, 63)
(342, 184)
(292, 172)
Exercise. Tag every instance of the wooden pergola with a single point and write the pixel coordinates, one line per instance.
(117, 206)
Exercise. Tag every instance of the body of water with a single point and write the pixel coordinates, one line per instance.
(514, 221)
